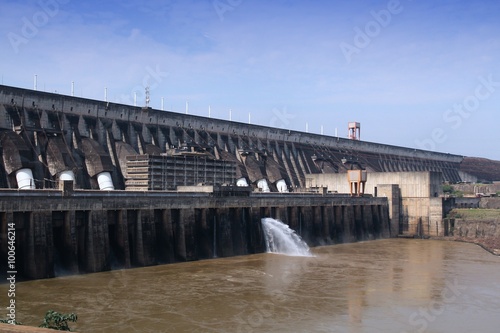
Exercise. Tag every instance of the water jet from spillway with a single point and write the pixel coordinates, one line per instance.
(283, 240)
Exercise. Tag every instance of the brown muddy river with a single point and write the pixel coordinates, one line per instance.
(380, 286)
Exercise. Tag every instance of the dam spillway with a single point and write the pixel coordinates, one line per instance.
(93, 185)
(51, 134)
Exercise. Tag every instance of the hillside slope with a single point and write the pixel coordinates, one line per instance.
(483, 168)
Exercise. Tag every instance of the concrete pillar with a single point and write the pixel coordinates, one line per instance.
(188, 220)
(306, 225)
(165, 236)
(25, 249)
(292, 217)
(122, 239)
(281, 214)
(329, 224)
(146, 222)
(137, 247)
(38, 244)
(205, 233)
(273, 213)
(339, 224)
(377, 232)
(70, 243)
(368, 222)
(266, 212)
(349, 224)
(81, 221)
(436, 226)
(224, 236)
(178, 235)
(256, 235)
(359, 233)
(97, 242)
(317, 224)
(392, 192)
(239, 231)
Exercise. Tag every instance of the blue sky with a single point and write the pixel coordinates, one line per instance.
(422, 74)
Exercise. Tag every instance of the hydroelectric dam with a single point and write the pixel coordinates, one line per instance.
(88, 186)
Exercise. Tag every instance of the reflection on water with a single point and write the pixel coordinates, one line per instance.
(379, 286)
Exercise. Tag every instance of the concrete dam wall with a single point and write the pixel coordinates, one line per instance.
(90, 186)
(60, 233)
(47, 137)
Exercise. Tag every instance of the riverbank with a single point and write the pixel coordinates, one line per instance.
(477, 226)
(490, 244)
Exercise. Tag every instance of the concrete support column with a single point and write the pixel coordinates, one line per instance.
(392, 192)
(256, 235)
(147, 224)
(165, 235)
(317, 223)
(306, 225)
(339, 224)
(293, 217)
(349, 224)
(178, 235)
(266, 212)
(377, 227)
(368, 222)
(204, 233)
(359, 232)
(385, 222)
(38, 244)
(225, 241)
(70, 243)
(239, 231)
(122, 239)
(329, 224)
(138, 248)
(281, 215)
(436, 225)
(188, 219)
(97, 242)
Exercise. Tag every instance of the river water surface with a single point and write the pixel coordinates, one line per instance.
(391, 285)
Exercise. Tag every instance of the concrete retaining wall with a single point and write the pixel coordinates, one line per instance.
(92, 232)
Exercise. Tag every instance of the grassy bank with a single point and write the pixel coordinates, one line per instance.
(475, 214)
(478, 218)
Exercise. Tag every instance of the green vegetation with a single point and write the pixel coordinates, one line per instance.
(447, 188)
(475, 214)
(53, 320)
(450, 190)
(58, 321)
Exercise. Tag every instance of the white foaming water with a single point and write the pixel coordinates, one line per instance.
(283, 240)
